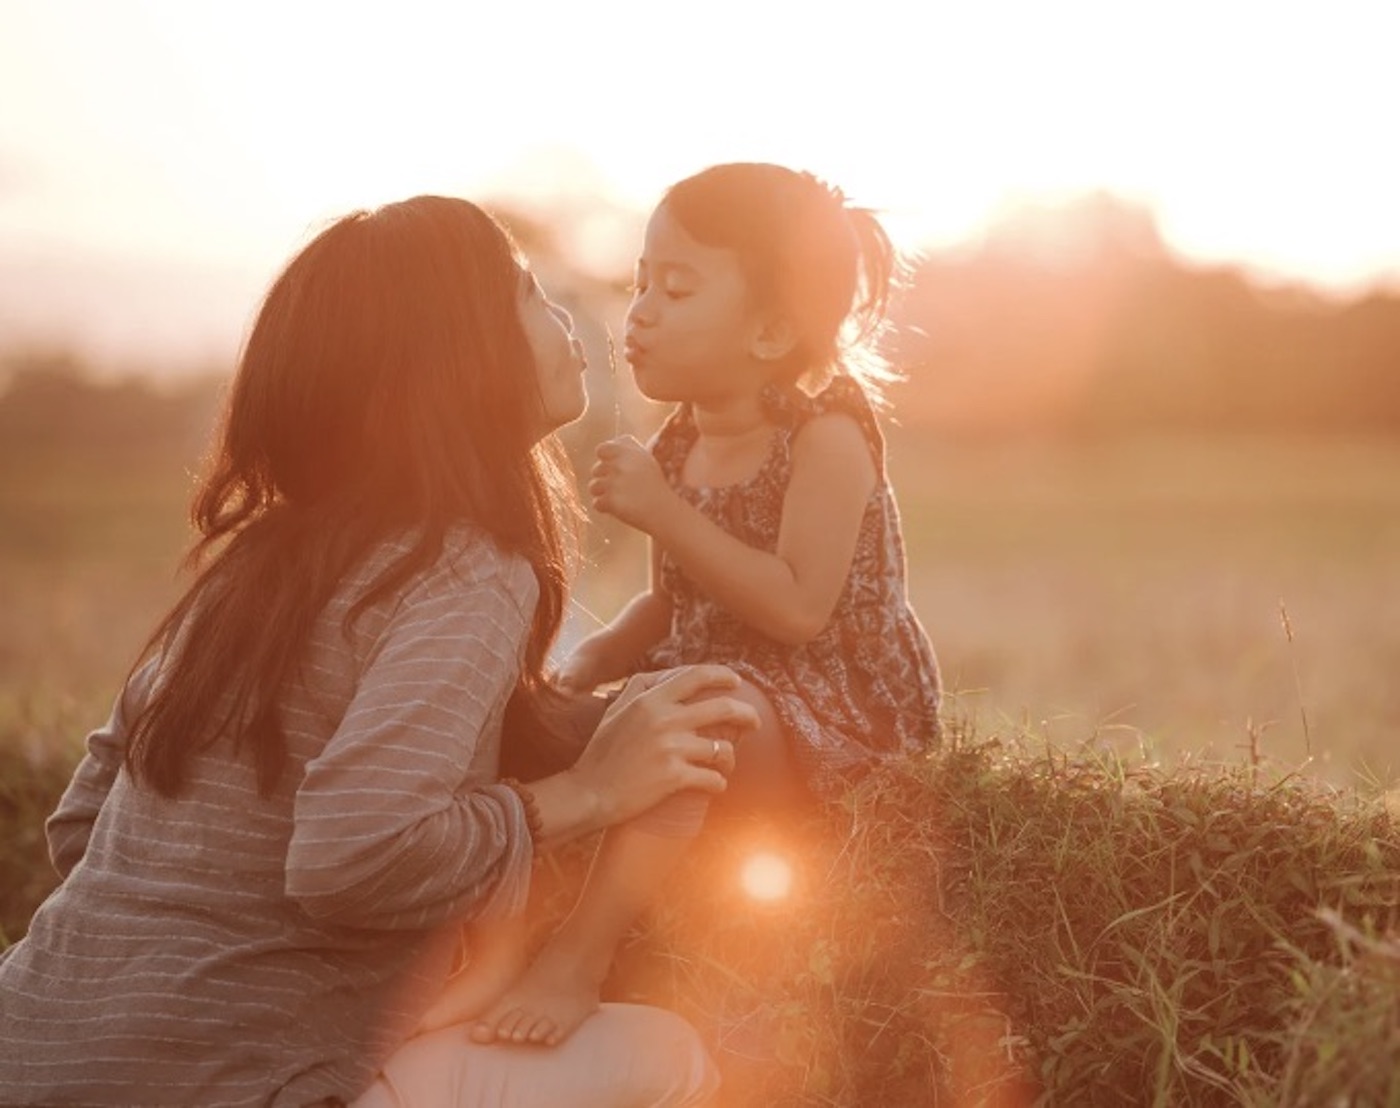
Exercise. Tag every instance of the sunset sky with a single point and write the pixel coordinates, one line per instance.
(158, 160)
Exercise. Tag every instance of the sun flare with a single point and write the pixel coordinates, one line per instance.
(766, 876)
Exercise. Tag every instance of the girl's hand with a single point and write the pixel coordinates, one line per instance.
(649, 745)
(576, 674)
(627, 482)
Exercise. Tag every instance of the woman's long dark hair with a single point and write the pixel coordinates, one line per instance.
(386, 388)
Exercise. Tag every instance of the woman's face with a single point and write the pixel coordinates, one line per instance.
(558, 355)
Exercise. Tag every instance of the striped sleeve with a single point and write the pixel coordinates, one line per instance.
(386, 834)
(70, 826)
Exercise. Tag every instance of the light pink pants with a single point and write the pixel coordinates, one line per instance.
(624, 1056)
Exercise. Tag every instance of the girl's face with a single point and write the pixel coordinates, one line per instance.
(558, 354)
(690, 329)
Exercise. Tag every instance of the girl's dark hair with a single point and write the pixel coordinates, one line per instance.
(386, 389)
(825, 265)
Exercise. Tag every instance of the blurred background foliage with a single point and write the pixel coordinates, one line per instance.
(1062, 320)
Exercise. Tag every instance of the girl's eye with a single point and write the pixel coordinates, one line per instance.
(639, 288)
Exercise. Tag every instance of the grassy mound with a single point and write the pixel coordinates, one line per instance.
(999, 926)
(1003, 926)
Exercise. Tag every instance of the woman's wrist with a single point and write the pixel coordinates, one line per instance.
(568, 807)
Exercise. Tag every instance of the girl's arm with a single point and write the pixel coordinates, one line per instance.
(615, 651)
(788, 594)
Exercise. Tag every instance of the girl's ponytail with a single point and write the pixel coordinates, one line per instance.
(877, 270)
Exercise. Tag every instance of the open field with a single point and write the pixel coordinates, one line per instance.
(1129, 594)
(1126, 593)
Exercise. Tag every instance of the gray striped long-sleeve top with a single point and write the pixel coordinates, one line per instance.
(224, 948)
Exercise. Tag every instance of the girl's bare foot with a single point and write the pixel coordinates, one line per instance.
(496, 959)
(547, 1003)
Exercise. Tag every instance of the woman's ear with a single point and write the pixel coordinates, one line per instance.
(774, 340)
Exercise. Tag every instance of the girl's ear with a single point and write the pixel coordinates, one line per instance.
(773, 340)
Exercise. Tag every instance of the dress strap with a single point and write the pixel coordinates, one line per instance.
(791, 407)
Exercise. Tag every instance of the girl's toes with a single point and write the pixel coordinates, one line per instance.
(514, 1027)
(496, 1027)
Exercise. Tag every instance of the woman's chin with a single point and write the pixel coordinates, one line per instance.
(557, 421)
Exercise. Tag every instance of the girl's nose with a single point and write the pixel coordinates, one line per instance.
(639, 314)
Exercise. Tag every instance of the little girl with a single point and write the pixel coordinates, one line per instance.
(776, 544)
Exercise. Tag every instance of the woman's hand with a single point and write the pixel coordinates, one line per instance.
(627, 482)
(647, 747)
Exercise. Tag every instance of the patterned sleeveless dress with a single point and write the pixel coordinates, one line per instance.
(867, 687)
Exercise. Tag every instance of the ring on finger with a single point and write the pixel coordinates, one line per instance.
(714, 752)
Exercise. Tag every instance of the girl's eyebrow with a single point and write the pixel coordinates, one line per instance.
(683, 269)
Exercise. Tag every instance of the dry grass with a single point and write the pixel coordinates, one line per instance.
(1008, 925)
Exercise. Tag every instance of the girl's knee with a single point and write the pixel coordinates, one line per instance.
(769, 730)
(766, 775)
(765, 771)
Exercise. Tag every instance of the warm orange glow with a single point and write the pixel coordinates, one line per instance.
(766, 876)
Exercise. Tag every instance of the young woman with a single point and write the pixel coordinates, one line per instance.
(269, 850)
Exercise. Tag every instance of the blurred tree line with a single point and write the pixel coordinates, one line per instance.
(53, 407)
(1080, 320)
(1075, 320)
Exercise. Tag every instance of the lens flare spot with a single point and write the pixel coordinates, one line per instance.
(766, 876)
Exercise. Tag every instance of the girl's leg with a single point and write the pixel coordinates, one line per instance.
(494, 955)
(766, 776)
(494, 952)
(561, 988)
